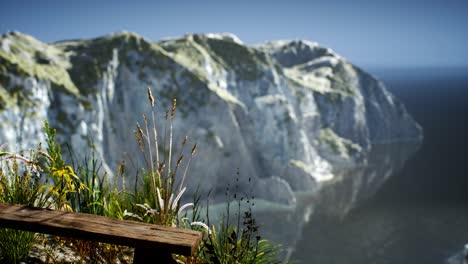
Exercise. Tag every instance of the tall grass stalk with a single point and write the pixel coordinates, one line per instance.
(161, 188)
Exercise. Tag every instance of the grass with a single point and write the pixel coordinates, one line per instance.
(29, 57)
(15, 244)
(19, 184)
(45, 179)
(237, 239)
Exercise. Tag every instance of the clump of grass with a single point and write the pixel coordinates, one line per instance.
(99, 196)
(15, 244)
(20, 183)
(158, 199)
(238, 239)
(18, 188)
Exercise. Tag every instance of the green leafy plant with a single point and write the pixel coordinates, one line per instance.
(65, 182)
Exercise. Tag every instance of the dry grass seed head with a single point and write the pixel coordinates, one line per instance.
(193, 149)
(174, 103)
(140, 131)
(150, 97)
(138, 138)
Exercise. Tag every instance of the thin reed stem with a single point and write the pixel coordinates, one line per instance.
(148, 142)
(187, 167)
(156, 145)
(163, 182)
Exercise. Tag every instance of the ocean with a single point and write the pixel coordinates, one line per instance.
(420, 215)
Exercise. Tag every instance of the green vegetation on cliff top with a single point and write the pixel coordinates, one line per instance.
(73, 67)
(23, 56)
(90, 58)
(207, 55)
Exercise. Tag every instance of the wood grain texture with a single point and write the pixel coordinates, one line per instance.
(99, 228)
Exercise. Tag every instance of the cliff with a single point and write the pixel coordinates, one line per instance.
(290, 114)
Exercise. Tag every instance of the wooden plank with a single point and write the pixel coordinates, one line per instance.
(99, 228)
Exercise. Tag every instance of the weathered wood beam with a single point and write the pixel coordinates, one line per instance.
(149, 240)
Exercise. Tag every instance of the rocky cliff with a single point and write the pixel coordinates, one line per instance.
(290, 114)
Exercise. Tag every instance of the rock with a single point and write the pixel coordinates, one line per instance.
(288, 114)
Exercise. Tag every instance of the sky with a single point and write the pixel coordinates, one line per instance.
(369, 33)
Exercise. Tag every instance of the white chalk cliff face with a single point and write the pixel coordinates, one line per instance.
(292, 115)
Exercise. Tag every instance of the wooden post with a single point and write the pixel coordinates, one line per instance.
(145, 255)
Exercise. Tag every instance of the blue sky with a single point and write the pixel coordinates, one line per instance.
(370, 33)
